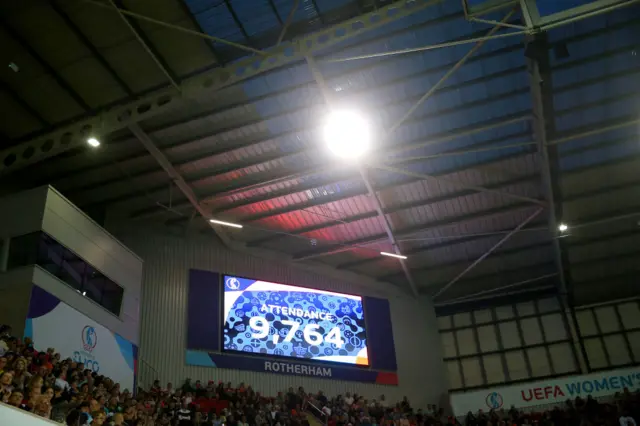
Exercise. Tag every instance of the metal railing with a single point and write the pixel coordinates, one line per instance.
(316, 412)
(146, 374)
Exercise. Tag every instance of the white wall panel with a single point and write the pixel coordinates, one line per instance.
(164, 301)
(15, 292)
(76, 231)
(22, 213)
(93, 310)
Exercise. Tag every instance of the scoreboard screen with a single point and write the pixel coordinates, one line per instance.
(262, 317)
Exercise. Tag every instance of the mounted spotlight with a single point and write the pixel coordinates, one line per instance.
(93, 142)
(347, 134)
(563, 227)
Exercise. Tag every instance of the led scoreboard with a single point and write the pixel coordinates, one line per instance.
(262, 317)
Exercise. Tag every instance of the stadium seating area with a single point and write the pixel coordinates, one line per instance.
(64, 391)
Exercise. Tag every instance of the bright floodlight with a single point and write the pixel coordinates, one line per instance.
(93, 142)
(562, 227)
(347, 134)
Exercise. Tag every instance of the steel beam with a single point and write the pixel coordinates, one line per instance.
(456, 183)
(317, 75)
(540, 77)
(447, 75)
(238, 22)
(544, 129)
(482, 294)
(368, 215)
(288, 22)
(89, 45)
(24, 104)
(487, 254)
(336, 170)
(214, 52)
(64, 85)
(146, 43)
(176, 178)
(163, 100)
(402, 233)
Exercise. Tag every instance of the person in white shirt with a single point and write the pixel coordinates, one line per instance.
(348, 399)
(626, 420)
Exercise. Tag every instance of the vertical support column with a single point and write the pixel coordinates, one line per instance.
(503, 358)
(596, 321)
(537, 54)
(4, 253)
(547, 352)
(476, 339)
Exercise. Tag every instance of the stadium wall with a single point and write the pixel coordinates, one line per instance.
(164, 320)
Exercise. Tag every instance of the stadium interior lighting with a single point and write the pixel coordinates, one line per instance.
(562, 227)
(220, 222)
(93, 142)
(397, 256)
(347, 134)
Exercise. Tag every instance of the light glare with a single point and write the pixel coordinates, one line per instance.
(397, 256)
(93, 142)
(562, 227)
(347, 134)
(220, 222)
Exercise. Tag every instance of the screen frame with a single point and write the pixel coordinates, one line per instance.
(224, 275)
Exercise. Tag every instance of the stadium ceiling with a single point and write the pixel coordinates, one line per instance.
(506, 149)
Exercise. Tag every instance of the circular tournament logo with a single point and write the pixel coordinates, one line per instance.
(494, 400)
(232, 283)
(89, 338)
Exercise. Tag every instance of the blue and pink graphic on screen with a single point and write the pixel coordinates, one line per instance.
(275, 319)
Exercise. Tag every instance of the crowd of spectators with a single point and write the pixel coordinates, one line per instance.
(65, 391)
(622, 410)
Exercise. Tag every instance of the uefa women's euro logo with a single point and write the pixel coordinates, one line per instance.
(232, 283)
(494, 400)
(89, 338)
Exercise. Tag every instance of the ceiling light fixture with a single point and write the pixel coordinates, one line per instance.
(93, 142)
(347, 134)
(562, 227)
(397, 256)
(220, 222)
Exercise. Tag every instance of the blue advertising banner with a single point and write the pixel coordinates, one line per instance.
(285, 366)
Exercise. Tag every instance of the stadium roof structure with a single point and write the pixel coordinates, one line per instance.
(495, 123)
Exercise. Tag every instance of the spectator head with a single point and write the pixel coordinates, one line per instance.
(48, 394)
(16, 398)
(130, 414)
(99, 417)
(169, 386)
(43, 371)
(118, 419)
(84, 407)
(5, 330)
(42, 408)
(3, 362)
(36, 382)
(6, 378)
(20, 364)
